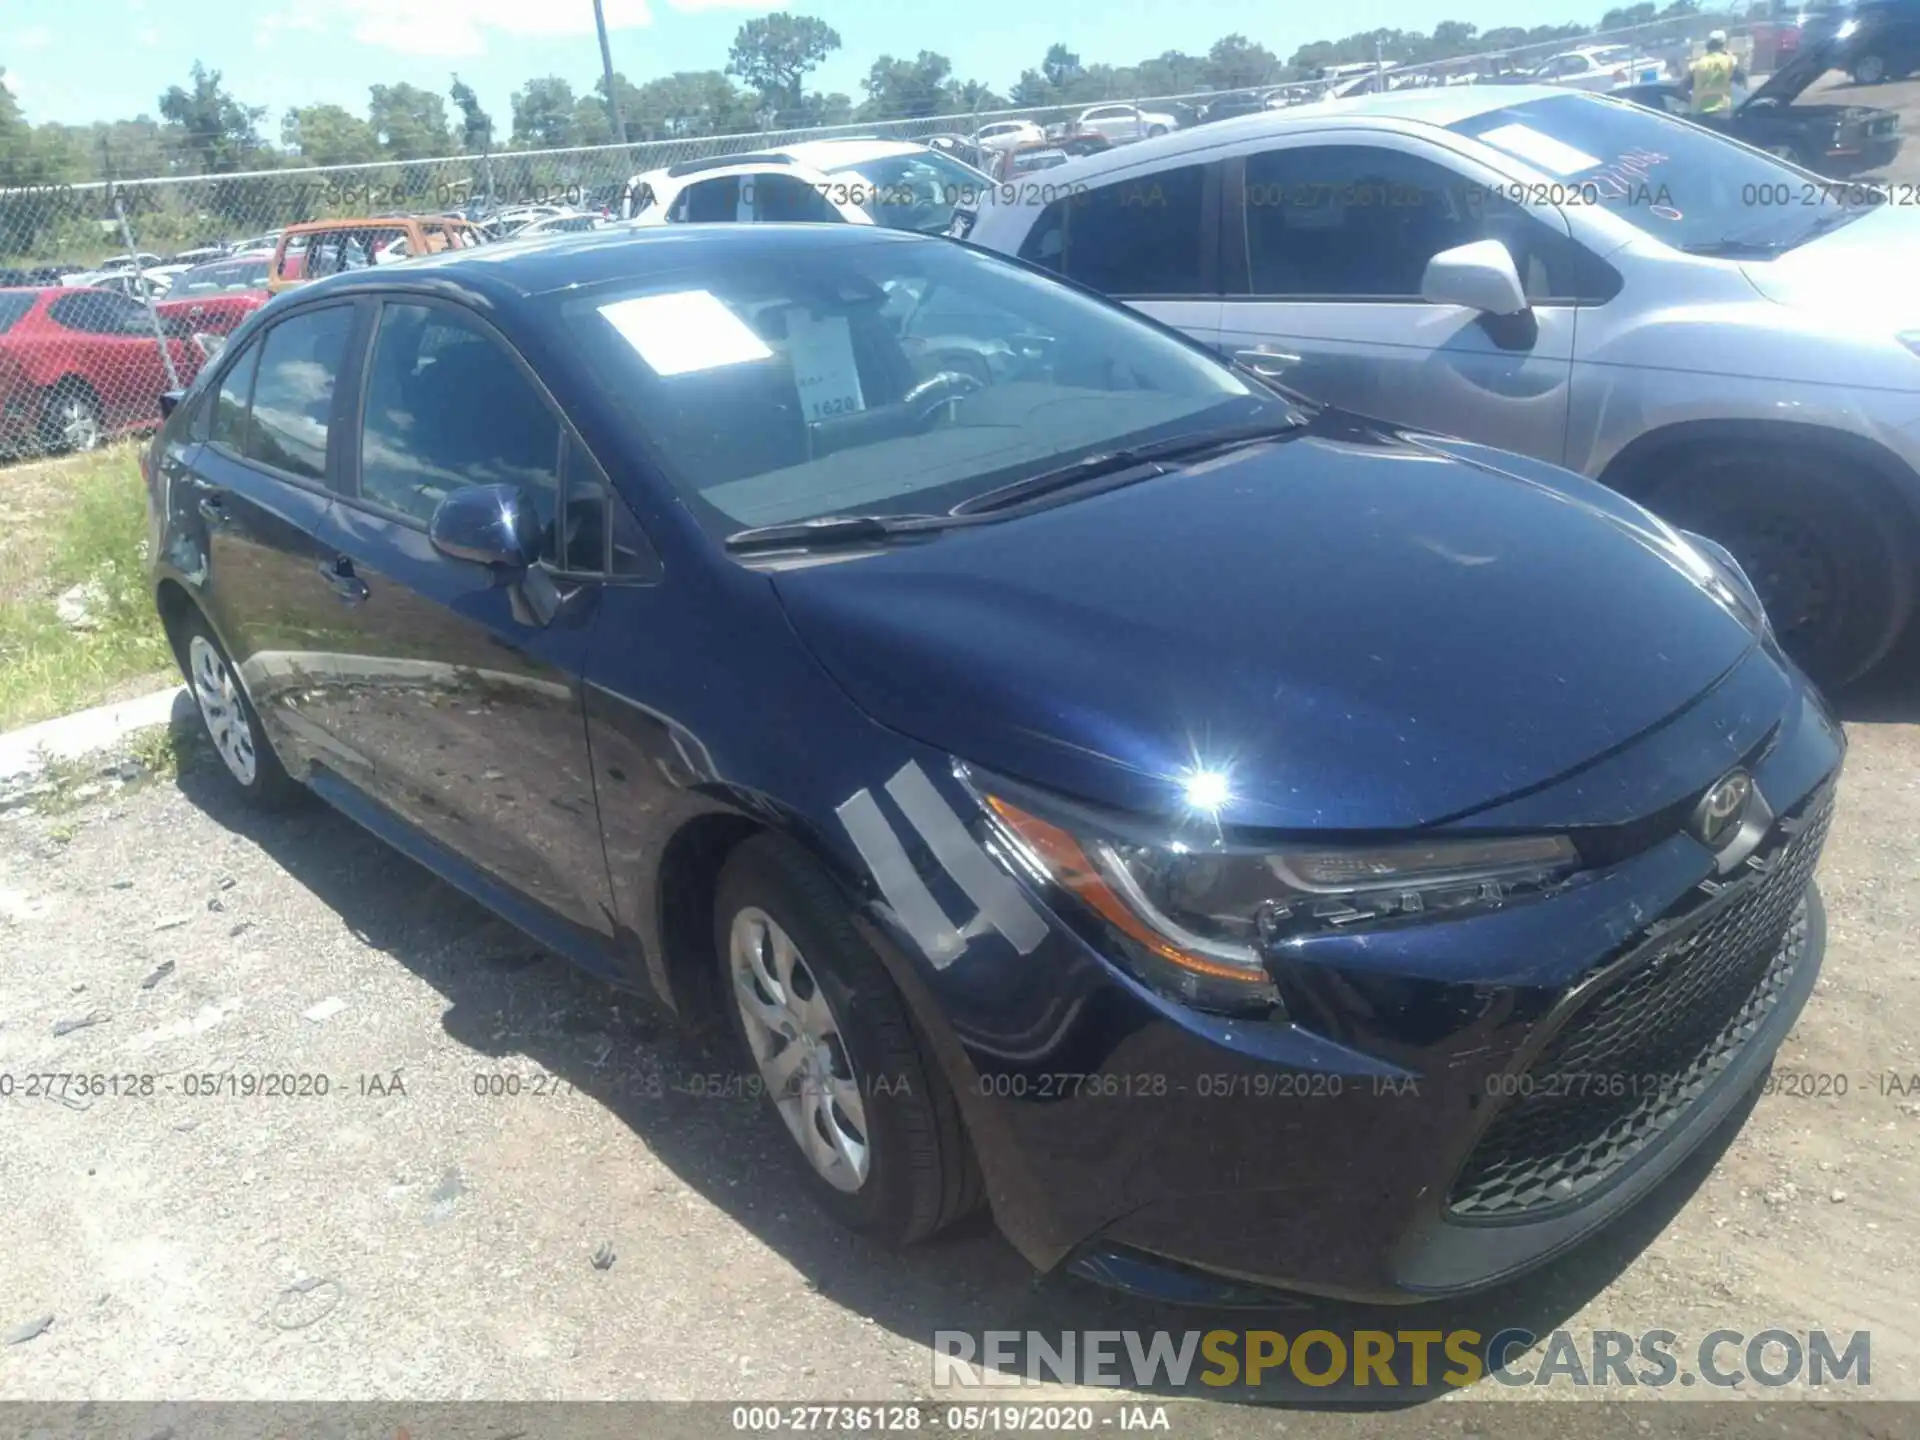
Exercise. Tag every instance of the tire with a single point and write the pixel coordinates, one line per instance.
(1833, 566)
(919, 1173)
(72, 421)
(1154, 131)
(1869, 70)
(232, 725)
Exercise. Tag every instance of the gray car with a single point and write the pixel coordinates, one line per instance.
(1706, 328)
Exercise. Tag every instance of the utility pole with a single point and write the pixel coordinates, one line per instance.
(606, 68)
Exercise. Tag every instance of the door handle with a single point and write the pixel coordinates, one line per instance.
(338, 573)
(213, 510)
(1264, 361)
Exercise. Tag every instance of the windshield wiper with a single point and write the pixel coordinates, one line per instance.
(831, 530)
(1099, 463)
(1733, 247)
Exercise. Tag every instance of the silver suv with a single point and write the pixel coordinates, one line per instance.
(1712, 331)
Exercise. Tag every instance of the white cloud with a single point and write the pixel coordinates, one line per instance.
(463, 27)
(34, 37)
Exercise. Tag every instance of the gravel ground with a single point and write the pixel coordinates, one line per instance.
(403, 1236)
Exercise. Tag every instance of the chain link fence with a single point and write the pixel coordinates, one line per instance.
(94, 325)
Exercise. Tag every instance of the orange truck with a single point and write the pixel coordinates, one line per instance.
(325, 247)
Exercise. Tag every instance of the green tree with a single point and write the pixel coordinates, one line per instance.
(410, 123)
(543, 114)
(965, 97)
(213, 132)
(1453, 37)
(903, 89)
(1235, 62)
(329, 135)
(775, 53)
(476, 126)
(1060, 66)
(1032, 88)
(1622, 16)
(1172, 72)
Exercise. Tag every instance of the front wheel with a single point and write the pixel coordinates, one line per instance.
(1869, 70)
(1154, 130)
(1834, 568)
(876, 1132)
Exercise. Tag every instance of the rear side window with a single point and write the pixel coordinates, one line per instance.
(448, 408)
(299, 365)
(100, 312)
(1137, 236)
(784, 197)
(223, 419)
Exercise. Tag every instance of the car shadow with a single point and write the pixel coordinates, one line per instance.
(507, 1000)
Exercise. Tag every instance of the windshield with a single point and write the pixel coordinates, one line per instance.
(1675, 180)
(884, 378)
(915, 191)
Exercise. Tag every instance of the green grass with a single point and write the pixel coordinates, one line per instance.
(67, 522)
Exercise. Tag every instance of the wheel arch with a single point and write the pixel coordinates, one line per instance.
(1637, 469)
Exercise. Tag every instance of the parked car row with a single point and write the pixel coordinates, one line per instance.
(948, 679)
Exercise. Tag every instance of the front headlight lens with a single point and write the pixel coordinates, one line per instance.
(1199, 922)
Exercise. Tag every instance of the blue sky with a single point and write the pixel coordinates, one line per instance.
(83, 60)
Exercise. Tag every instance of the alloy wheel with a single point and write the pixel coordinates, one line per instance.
(1871, 70)
(220, 708)
(797, 1044)
(77, 424)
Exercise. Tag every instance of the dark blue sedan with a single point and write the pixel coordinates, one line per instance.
(1236, 841)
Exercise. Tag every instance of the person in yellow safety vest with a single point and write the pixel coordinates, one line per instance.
(1711, 78)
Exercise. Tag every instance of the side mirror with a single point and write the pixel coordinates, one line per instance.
(169, 402)
(1480, 276)
(491, 525)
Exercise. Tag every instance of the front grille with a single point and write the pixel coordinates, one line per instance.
(1647, 1045)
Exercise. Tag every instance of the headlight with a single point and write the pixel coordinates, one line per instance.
(1722, 575)
(1199, 918)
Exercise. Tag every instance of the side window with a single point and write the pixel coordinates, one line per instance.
(447, 408)
(786, 197)
(1356, 221)
(710, 200)
(223, 418)
(1138, 236)
(100, 312)
(299, 364)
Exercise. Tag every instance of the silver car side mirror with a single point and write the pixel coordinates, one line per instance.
(1480, 276)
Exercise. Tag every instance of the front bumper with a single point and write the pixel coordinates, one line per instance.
(1452, 1103)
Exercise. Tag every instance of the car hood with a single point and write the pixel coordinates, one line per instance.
(1859, 276)
(1807, 64)
(1366, 629)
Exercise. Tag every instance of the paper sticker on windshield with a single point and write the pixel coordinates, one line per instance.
(686, 331)
(821, 352)
(1541, 151)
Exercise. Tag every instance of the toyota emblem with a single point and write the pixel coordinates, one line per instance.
(1721, 808)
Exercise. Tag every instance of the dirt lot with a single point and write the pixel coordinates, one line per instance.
(406, 1237)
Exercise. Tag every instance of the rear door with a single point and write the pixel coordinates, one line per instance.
(259, 504)
(1148, 237)
(1326, 247)
(465, 692)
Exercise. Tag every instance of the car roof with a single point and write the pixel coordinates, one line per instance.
(831, 154)
(1437, 105)
(514, 269)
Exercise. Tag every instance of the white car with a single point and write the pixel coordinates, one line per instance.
(1121, 123)
(861, 182)
(1565, 275)
(551, 225)
(1598, 68)
(1005, 134)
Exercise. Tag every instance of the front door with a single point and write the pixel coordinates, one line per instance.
(1326, 246)
(466, 690)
